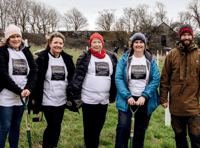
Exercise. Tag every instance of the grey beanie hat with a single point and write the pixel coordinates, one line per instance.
(138, 36)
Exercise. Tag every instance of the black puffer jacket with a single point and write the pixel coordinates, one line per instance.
(6, 80)
(42, 62)
(75, 86)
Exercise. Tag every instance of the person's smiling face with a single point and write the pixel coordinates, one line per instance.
(96, 45)
(15, 41)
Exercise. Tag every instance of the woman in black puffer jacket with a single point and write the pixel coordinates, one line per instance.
(18, 76)
(93, 86)
(55, 70)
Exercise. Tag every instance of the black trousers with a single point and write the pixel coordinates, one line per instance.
(93, 121)
(182, 124)
(54, 116)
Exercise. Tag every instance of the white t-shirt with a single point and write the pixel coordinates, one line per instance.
(55, 83)
(18, 69)
(97, 82)
(138, 75)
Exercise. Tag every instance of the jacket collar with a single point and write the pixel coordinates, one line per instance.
(45, 52)
(22, 46)
(192, 47)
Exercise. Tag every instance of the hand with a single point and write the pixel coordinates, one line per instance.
(25, 93)
(140, 101)
(165, 105)
(131, 101)
(33, 102)
(111, 101)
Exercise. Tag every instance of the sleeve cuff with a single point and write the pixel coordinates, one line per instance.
(144, 97)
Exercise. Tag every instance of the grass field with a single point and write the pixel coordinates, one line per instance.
(157, 136)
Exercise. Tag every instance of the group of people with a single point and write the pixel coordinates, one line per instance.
(54, 83)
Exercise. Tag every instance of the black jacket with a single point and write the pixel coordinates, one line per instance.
(6, 81)
(42, 62)
(75, 86)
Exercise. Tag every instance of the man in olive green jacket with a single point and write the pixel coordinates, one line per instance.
(181, 77)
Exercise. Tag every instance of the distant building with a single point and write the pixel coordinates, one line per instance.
(163, 39)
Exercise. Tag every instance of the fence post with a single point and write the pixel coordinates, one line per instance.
(167, 113)
(158, 57)
(26, 42)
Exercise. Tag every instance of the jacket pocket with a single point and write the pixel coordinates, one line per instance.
(174, 93)
(195, 68)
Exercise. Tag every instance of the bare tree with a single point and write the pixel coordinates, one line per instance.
(106, 19)
(66, 23)
(24, 9)
(146, 22)
(38, 16)
(160, 12)
(135, 19)
(54, 19)
(120, 25)
(76, 19)
(185, 17)
(120, 32)
(194, 8)
(14, 6)
(44, 18)
(128, 14)
(4, 13)
(35, 11)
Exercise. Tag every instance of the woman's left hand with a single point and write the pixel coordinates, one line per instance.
(25, 93)
(140, 101)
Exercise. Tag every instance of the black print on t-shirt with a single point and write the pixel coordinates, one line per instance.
(19, 66)
(138, 72)
(102, 68)
(58, 73)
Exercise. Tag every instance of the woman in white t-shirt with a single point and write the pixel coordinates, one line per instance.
(18, 76)
(93, 84)
(137, 79)
(55, 70)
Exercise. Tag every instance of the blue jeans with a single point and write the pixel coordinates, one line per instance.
(10, 118)
(124, 126)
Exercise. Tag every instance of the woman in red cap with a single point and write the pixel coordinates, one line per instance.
(93, 87)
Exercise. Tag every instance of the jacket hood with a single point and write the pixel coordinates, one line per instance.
(192, 47)
(22, 47)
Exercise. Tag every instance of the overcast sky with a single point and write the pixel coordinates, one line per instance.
(90, 8)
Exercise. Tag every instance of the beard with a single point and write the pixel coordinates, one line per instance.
(186, 42)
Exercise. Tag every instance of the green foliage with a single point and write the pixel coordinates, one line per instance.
(157, 136)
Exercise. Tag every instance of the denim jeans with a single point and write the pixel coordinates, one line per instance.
(93, 121)
(10, 118)
(182, 124)
(124, 126)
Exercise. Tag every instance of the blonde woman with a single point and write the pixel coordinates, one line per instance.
(55, 70)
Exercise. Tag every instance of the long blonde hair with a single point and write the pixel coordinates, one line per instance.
(53, 35)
